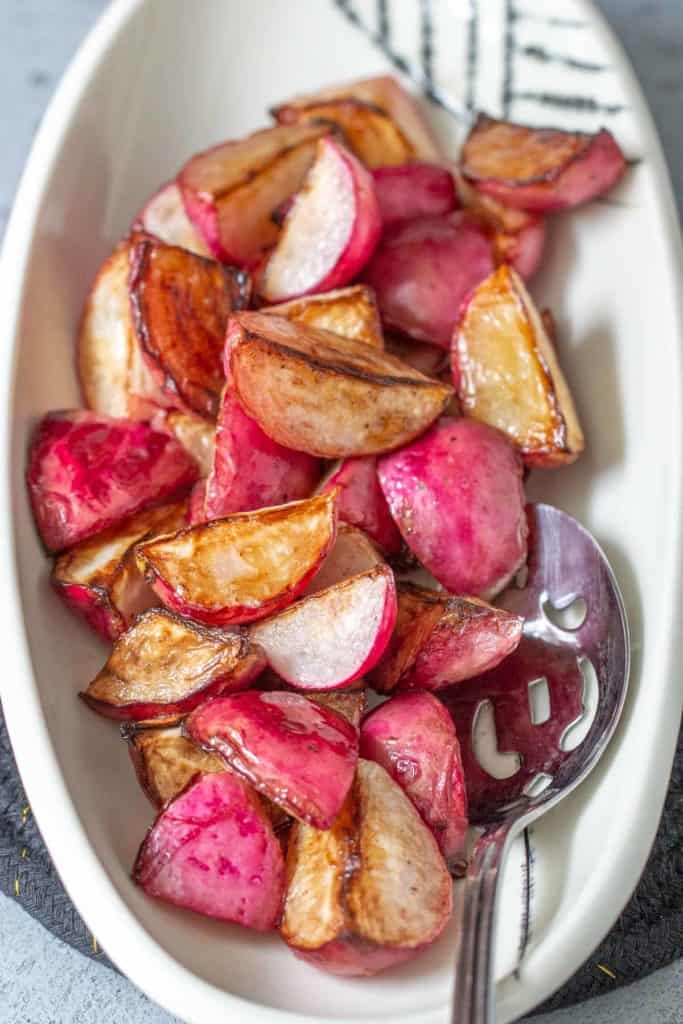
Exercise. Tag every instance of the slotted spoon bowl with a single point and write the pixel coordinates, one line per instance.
(567, 569)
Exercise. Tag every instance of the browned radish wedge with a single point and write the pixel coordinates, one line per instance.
(195, 434)
(353, 552)
(329, 233)
(457, 497)
(165, 761)
(87, 472)
(213, 850)
(370, 892)
(349, 704)
(181, 303)
(540, 168)
(164, 217)
(414, 190)
(423, 269)
(243, 567)
(164, 665)
(251, 471)
(413, 737)
(440, 640)
(428, 359)
(329, 639)
(506, 372)
(321, 393)
(380, 121)
(350, 311)
(362, 503)
(299, 754)
(99, 579)
(104, 337)
(231, 190)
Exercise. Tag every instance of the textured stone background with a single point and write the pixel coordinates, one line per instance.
(42, 981)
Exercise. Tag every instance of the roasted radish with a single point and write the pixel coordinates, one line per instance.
(330, 232)
(320, 393)
(351, 312)
(213, 850)
(353, 552)
(413, 737)
(379, 120)
(231, 190)
(243, 567)
(412, 190)
(87, 472)
(423, 269)
(181, 303)
(540, 168)
(99, 579)
(296, 752)
(164, 217)
(350, 704)
(331, 638)
(440, 640)
(164, 665)
(457, 497)
(105, 336)
(249, 470)
(195, 434)
(370, 892)
(506, 372)
(165, 761)
(362, 503)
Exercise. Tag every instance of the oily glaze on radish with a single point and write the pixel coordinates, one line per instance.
(540, 168)
(99, 580)
(506, 372)
(351, 312)
(318, 392)
(413, 737)
(243, 567)
(87, 472)
(164, 665)
(440, 640)
(331, 638)
(370, 892)
(423, 269)
(231, 190)
(329, 233)
(250, 470)
(213, 850)
(379, 120)
(457, 497)
(361, 502)
(296, 752)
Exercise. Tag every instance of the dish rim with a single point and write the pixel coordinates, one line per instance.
(127, 942)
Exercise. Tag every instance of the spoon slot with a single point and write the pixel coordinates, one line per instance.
(499, 764)
(567, 613)
(576, 731)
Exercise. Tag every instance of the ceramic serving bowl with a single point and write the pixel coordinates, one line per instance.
(157, 80)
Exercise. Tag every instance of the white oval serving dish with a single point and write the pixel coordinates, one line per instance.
(157, 80)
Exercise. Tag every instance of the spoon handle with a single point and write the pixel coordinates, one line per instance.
(474, 996)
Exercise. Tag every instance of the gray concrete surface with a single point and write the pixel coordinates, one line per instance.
(42, 981)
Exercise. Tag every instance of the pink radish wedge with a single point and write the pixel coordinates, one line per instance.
(362, 503)
(213, 850)
(423, 269)
(413, 737)
(297, 753)
(457, 497)
(87, 472)
(164, 217)
(353, 553)
(250, 470)
(330, 232)
(243, 567)
(440, 640)
(411, 190)
(540, 168)
(329, 639)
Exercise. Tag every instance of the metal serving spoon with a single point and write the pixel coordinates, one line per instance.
(566, 568)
